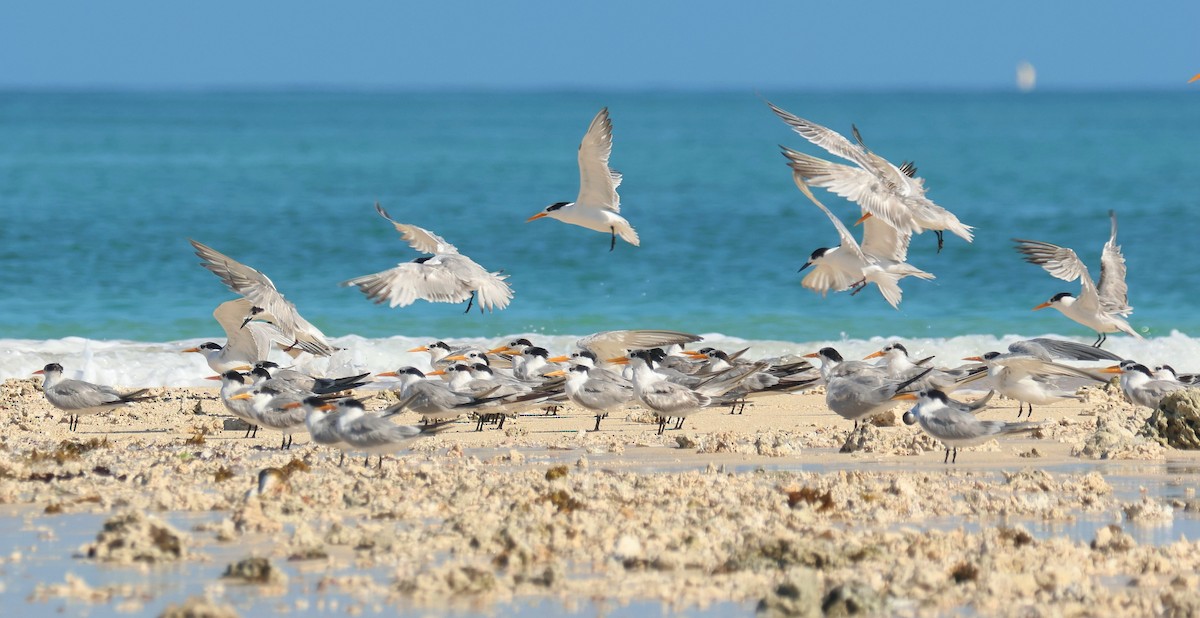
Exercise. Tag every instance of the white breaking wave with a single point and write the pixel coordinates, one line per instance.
(141, 364)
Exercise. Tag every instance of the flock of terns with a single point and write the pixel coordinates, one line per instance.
(651, 368)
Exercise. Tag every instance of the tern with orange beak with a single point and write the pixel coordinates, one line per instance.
(857, 391)
(954, 424)
(1139, 385)
(1102, 308)
(598, 207)
(1027, 371)
(77, 398)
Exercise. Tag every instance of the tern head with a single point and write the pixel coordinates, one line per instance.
(550, 211)
(536, 351)
(51, 369)
(206, 348)
(826, 354)
(1167, 370)
(256, 313)
(432, 347)
(233, 376)
(268, 365)
(404, 372)
(579, 370)
(816, 255)
(260, 373)
(1062, 299)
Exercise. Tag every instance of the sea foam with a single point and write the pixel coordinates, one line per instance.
(143, 364)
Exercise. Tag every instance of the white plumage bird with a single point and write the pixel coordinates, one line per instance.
(598, 207)
(445, 276)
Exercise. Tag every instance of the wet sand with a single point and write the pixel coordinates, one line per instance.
(544, 517)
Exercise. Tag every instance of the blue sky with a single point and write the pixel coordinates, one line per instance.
(627, 44)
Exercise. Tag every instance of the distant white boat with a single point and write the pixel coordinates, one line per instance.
(1026, 76)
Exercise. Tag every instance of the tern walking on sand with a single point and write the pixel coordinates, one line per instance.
(954, 423)
(77, 398)
(1102, 308)
(598, 207)
(445, 276)
(267, 303)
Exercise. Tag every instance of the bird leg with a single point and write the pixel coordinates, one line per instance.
(941, 240)
(471, 301)
(501, 424)
(858, 286)
(597, 423)
(379, 466)
(679, 425)
(662, 424)
(283, 443)
(342, 459)
(1100, 339)
(613, 244)
(955, 458)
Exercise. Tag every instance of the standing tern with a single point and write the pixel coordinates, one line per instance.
(884, 191)
(1139, 384)
(276, 409)
(954, 423)
(1167, 372)
(879, 260)
(598, 207)
(595, 393)
(234, 383)
(372, 434)
(1101, 308)
(445, 276)
(77, 398)
(433, 400)
(322, 424)
(857, 391)
(268, 304)
(1028, 373)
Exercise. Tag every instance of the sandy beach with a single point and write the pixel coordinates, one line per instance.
(734, 512)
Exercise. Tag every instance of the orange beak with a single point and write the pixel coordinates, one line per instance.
(456, 357)
(420, 348)
(327, 407)
(192, 350)
(558, 359)
(874, 355)
(863, 218)
(500, 350)
(694, 354)
(557, 373)
(39, 372)
(1113, 369)
(813, 355)
(292, 406)
(242, 396)
(387, 374)
(978, 359)
(1041, 306)
(620, 360)
(439, 372)
(1194, 78)
(535, 217)
(904, 397)
(213, 378)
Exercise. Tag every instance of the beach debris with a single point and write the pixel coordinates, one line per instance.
(798, 595)
(1148, 511)
(1112, 538)
(198, 607)
(132, 536)
(852, 600)
(1176, 420)
(1113, 441)
(255, 570)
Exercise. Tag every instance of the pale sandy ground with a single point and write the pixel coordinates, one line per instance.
(733, 508)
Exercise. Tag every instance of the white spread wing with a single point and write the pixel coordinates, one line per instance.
(597, 182)
(612, 343)
(854, 184)
(1113, 291)
(1062, 263)
(410, 281)
(418, 238)
(884, 242)
(828, 139)
(847, 240)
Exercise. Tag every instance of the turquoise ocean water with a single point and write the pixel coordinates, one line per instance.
(100, 192)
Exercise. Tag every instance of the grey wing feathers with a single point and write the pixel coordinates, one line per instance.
(1060, 262)
(408, 282)
(1057, 349)
(610, 343)
(597, 181)
(1113, 291)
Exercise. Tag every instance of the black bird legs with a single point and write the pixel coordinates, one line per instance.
(613, 244)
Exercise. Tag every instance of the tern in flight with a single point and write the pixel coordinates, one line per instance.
(444, 276)
(598, 207)
(268, 304)
(881, 189)
(880, 259)
(1102, 308)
